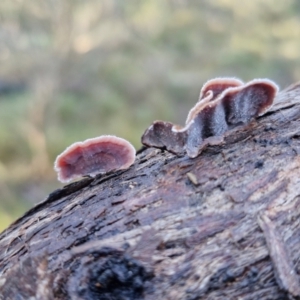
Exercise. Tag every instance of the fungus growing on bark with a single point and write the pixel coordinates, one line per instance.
(218, 85)
(210, 91)
(94, 156)
(224, 103)
(207, 127)
(248, 101)
(234, 106)
(162, 135)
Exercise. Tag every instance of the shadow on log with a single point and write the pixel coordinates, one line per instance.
(224, 225)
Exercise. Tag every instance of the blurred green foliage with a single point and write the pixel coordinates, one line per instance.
(72, 70)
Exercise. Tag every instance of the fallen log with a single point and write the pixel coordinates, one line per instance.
(224, 225)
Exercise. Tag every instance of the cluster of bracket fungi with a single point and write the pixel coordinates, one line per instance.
(224, 103)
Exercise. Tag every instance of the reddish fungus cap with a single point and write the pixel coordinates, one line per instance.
(211, 91)
(209, 119)
(162, 135)
(94, 156)
(218, 85)
(224, 103)
(249, 101)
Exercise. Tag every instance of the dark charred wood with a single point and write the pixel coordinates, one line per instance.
(224, 225)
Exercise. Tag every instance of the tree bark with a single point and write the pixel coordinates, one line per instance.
(224, 225)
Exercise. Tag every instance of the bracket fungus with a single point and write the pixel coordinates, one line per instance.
(163, 135)
(94, 156)
(217, 85)
(224, 103)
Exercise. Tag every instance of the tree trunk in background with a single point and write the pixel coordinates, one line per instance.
(225, 225)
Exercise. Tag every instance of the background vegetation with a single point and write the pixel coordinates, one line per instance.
(75, 69)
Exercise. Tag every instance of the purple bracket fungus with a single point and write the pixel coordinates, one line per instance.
(234, 106)
(210, 92)
(248, 101)
(206, 127)
(162, 135)
(94, 156)
(224, 103)
(218, 85)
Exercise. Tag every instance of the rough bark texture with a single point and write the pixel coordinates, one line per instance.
(225, 225)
